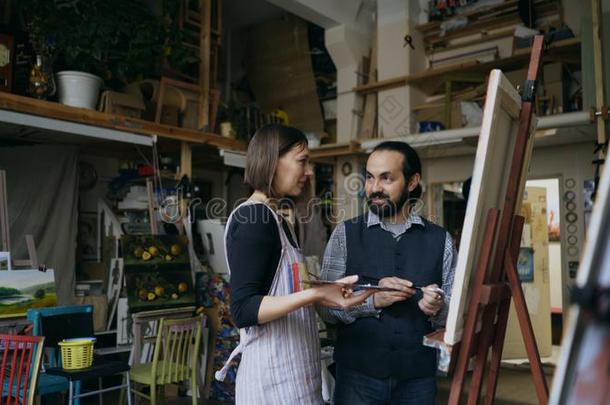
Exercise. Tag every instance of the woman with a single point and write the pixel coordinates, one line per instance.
(279, 339)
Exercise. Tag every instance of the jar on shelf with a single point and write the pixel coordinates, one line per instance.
(41, 83)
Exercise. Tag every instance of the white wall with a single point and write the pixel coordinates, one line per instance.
(395, 19)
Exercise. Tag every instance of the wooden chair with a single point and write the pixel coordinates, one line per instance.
(20, 358)
(175, 357)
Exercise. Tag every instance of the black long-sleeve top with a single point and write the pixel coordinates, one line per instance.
(253, 252)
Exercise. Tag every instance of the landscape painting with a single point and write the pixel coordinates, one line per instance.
(24, 289)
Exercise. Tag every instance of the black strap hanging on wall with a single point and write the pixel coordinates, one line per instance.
(598, 165)
(526, 12)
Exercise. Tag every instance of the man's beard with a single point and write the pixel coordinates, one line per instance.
(390, 208)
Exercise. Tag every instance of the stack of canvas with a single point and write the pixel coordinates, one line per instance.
(136, 199)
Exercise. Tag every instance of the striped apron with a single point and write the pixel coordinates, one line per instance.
(280, 361)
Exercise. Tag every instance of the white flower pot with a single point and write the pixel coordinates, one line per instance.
(78, 89)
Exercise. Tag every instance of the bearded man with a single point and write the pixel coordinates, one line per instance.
(379, 355)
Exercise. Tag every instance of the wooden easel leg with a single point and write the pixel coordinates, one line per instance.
(503, 312)
(457, 383)
(542, 390)
(480, 364)
(496, 352)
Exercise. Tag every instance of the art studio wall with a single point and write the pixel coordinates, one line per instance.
(569, 162)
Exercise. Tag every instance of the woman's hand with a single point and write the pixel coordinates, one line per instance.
(340, 295)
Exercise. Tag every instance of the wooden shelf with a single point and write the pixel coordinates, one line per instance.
(435, 25)
(57, 111)
(486, 18)
(336, 149)
(431, 81)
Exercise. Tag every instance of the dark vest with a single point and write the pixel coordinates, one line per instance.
(391, 345)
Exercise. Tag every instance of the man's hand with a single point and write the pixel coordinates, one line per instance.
(432, 301)
(386, 298)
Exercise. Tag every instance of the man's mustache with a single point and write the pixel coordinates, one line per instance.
(379, 195)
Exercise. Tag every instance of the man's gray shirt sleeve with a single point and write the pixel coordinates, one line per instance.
(449, 262)
(333, 268)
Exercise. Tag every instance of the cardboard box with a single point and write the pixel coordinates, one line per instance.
(128, 105)
(100, 309)
(438, 114)
(553, 72)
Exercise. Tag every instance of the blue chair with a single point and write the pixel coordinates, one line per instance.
(59, 323)
(81, 318)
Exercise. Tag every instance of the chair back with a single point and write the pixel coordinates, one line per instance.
(177, 349)
(59, 323)
(19, 364)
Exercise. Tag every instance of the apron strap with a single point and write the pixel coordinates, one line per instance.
(221, 374)
(244, 340)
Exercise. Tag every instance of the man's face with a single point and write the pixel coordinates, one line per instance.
(386, 187)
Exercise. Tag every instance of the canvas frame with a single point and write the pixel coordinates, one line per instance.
(488, 189)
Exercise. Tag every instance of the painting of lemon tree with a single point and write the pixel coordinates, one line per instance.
(24, 289)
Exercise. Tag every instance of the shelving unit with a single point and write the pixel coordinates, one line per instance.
(431, 81)
(486, 19)
(100, 125)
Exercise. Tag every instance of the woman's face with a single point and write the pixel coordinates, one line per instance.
(293, 172)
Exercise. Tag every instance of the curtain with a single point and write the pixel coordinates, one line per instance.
(42, 188)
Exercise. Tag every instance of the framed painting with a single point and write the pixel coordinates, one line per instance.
(157, 272)
(87, 236)
(21, 290)
(525, 265)
(114, 285)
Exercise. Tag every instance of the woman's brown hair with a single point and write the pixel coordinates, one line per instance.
(267, 146)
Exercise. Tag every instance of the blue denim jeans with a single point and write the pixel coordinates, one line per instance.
(355, 388)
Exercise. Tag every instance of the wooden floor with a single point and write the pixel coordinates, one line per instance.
(515, 387)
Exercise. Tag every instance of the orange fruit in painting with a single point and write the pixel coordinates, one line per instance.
(153, 251)
(146, 256)
(175, 249)
(138, 252)
(151, 296)
(183, 287)
(159, 290)
(174, 296)
(143, 294)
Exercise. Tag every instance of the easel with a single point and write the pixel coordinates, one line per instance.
(492, 291)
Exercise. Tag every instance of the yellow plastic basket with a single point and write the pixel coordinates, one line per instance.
(76, 353)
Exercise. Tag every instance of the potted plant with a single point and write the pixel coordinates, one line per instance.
(96, 41)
